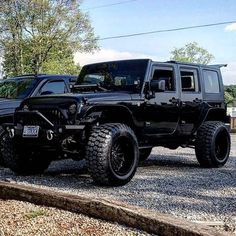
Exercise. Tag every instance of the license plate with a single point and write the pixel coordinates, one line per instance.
(31, 131)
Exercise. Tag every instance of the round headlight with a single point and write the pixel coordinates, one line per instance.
(72, 109)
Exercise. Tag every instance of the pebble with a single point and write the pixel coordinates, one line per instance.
(170, 181)
(21, 218)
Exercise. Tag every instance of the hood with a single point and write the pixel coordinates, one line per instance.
(106, 97)
(101, 97)
(8, 106)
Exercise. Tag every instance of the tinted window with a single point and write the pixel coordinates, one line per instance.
(53, 87)
(189, 80)
(17, 88)
(211, 81)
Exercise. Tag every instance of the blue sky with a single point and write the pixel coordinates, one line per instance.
(148, 15)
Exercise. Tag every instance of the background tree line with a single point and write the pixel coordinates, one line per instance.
(230, 95)
(41, 35)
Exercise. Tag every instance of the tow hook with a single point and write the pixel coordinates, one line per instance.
(11, 132)
(50, 135)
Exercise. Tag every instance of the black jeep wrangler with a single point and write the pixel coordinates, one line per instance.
(117, 113)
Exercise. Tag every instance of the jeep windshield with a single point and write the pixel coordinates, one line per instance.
(16, 88)
(125, 75)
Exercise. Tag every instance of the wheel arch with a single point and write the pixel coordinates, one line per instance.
(216, 114)
(109, 114)
(210, 114)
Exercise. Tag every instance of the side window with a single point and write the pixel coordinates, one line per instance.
(166, 74)
(53, 87)
(211, 81)
(189, 80)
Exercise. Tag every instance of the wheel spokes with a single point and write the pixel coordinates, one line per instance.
(117, 157)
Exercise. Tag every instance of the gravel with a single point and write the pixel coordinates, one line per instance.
(21, 218)
(170, 181)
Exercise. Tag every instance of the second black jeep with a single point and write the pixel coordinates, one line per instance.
(117, 113)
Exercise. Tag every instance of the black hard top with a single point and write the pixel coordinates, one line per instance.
(167, 62)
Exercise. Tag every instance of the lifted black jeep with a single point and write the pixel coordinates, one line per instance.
(118, 112)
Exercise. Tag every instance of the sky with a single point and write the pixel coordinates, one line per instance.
(134, 16)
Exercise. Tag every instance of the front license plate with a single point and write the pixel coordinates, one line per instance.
(31, 131)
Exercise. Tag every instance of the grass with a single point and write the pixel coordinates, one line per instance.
(35, 213)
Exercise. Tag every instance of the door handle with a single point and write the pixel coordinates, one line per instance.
(197, 100)
(174, 100)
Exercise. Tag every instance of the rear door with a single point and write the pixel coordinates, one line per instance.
(191, 97)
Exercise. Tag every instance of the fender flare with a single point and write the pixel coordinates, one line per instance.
(209, 113)
(108, 113)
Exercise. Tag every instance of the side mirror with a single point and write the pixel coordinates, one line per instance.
(158, 85)
(46, 93)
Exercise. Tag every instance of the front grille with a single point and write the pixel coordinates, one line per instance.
(54, 116)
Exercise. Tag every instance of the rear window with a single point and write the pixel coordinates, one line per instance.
(211, 81)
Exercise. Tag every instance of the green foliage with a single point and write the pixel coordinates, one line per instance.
(34, 214)
(60, 61)
(231, 89)
(36, 35)
(230, 94)
(61, 66)
(192, 52)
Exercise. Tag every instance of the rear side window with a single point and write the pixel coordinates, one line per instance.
(189, 80)
(211, 81)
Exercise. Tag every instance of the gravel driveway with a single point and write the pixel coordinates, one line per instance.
(170, 181)
(25, 219)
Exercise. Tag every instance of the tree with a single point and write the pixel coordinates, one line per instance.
(230, 94)
(62, 62)
(192, 52)
(37, 34)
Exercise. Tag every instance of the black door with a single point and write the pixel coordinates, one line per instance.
(191, 97)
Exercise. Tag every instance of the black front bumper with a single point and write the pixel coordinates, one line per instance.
(50, 135)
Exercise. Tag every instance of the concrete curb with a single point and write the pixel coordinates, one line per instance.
(136, 217)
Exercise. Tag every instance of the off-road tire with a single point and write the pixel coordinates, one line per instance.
(107, 164)
(22, 163)
(144, 154)
(212, 144)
